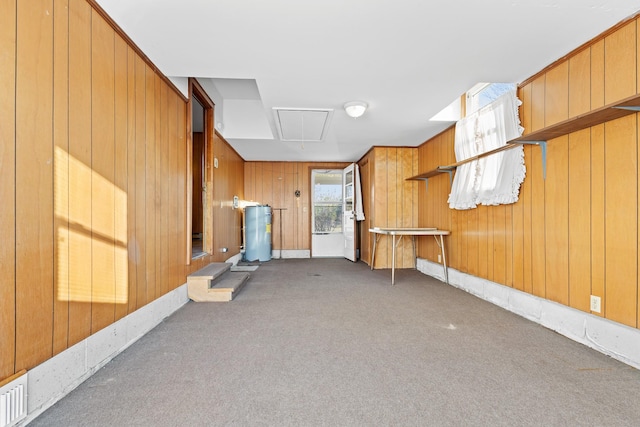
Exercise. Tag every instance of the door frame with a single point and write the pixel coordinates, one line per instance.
(338, 237)
(196, 90)
(349, 223)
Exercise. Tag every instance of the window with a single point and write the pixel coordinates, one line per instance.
(327, 201)
(484, 93)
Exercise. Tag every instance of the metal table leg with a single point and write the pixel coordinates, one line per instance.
(444, 257)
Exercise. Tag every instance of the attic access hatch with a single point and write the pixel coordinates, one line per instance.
(302, 124)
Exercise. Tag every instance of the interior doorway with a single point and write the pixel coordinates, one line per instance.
(326, 214)
(198, 178)
(200, 173)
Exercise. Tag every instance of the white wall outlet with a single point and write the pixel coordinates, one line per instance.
(595, 304)
(439, 259)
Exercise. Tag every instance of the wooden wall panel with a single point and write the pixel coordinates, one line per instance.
(621, 220)
(380, 206)
(499, 261)
(173, 171)
(102, 161)
(579, 91)
(150, 147)
(61, 175)
(438, 152)
(620, 63)
(80, 261)
(132, 243)
(490, 240)
(580, 219)
(537, 106)
(120, 181)
(34, 183)
(228, 181)
(7, 187)
(290, 185)
(598, 203)
(597, 74)
(181, 186)
(476, 259)
(508, 231)
(278, 201)
(388, 203)
(390, 194)
(526, 195)
(140, 201)
(408, 199)
(556, 215)
(638, 57)
(95, 219)
(161, 123)
(556, 94)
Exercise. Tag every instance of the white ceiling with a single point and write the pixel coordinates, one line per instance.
(407, 59)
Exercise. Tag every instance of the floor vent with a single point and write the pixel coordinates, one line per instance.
(13, 401)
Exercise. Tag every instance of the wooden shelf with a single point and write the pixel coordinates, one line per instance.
(630, 105)
(592, 118)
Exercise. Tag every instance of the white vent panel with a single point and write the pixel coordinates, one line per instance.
(13, 402)
(307, 125)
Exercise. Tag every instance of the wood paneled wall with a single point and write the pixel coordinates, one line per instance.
(228, 181)
(274, 184)
(94, 174)
(389, 201)
(575, 233)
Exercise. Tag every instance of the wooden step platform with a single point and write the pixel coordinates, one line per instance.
(216, 283)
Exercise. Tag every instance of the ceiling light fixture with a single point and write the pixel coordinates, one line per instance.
(355, 108)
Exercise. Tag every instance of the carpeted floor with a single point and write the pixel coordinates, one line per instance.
(326, 342)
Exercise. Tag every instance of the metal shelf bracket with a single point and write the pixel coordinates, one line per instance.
(543, 148)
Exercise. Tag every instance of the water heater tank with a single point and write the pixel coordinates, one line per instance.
(257, 233)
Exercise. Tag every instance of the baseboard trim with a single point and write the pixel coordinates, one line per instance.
(619, 341)
(52, 380)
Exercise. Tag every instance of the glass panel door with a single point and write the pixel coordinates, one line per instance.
(326, 218)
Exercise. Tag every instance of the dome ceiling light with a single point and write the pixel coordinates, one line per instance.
(355, 108)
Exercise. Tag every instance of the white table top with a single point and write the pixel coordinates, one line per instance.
(426, 231)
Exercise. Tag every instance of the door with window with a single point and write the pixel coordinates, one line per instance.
(326, 219)
(349, 213)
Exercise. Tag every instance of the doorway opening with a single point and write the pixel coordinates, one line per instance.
(198, 178)
(200, 173)
(326, 215)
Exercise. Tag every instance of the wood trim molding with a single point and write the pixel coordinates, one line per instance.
(12, 377)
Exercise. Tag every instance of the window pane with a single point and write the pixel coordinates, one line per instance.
(328, 218)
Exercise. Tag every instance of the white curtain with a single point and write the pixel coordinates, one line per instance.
(493, 179)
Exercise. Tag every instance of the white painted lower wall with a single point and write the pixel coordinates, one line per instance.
(290, 253)
(55, 378)
(613, 339)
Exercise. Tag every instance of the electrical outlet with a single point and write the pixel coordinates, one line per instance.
(595, 304)
(439, 259)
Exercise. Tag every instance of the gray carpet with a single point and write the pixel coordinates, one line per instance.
(326, 342)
